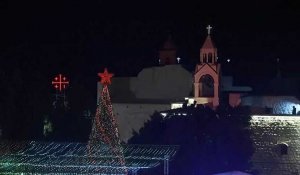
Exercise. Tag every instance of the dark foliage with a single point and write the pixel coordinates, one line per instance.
(210, 141)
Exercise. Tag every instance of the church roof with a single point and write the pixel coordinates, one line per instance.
(208, 43)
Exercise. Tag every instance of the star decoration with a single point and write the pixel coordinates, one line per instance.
(105, 77)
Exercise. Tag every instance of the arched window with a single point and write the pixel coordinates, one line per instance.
(283, 148)
(204, 58)
(214, 57)
(210, 57)
(207, 86)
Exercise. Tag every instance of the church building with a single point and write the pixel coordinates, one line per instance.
(207, 74)
(169, 85)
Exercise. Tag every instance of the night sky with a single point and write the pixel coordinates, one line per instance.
(83, 37)
(40, 39)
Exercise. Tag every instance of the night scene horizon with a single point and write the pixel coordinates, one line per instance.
(150, 87)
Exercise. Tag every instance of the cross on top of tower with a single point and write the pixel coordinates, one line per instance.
(208, 29)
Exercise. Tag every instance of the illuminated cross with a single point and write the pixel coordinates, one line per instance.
(105, 77)
(178, 59)
(208, 29)
(60, 82)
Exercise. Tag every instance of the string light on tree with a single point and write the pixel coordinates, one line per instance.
(104, 129)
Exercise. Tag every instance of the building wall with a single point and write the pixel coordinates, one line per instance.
(167, 82)
(213, 71)
(234, 99)
(279, 104)
(132, 117)
(268, 134)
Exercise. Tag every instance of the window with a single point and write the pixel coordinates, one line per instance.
(210, 57)
(283, 148)
(204, 58)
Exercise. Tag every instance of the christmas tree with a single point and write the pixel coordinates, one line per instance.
(104, 128)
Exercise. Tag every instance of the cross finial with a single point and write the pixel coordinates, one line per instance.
(208, 29)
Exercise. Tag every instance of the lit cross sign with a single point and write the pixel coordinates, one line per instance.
(60, 82)
(208, 29)
(178, 60)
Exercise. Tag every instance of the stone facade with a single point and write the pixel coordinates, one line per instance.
(276, 141)
(207, 75)
(131, 117)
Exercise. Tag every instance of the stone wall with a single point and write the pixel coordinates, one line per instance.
(276, 141)
(279, 104)
(132, 117)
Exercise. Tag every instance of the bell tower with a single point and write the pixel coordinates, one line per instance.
(167, 54)
(208, 52)
(207, 74)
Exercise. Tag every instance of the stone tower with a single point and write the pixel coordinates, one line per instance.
(207, 74)
(167, 54)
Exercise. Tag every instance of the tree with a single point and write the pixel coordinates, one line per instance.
(210, 141)
(104, 129)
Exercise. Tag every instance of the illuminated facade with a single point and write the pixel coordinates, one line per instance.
(276, 140)
(207, 74)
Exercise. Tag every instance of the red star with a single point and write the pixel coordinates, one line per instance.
(105, 77)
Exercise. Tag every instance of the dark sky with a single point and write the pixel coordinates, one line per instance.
(82, 37)
(39, 39)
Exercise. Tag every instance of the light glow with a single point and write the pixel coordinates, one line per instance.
(176, 105)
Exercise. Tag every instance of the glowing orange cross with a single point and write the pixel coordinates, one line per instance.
(105, 77)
